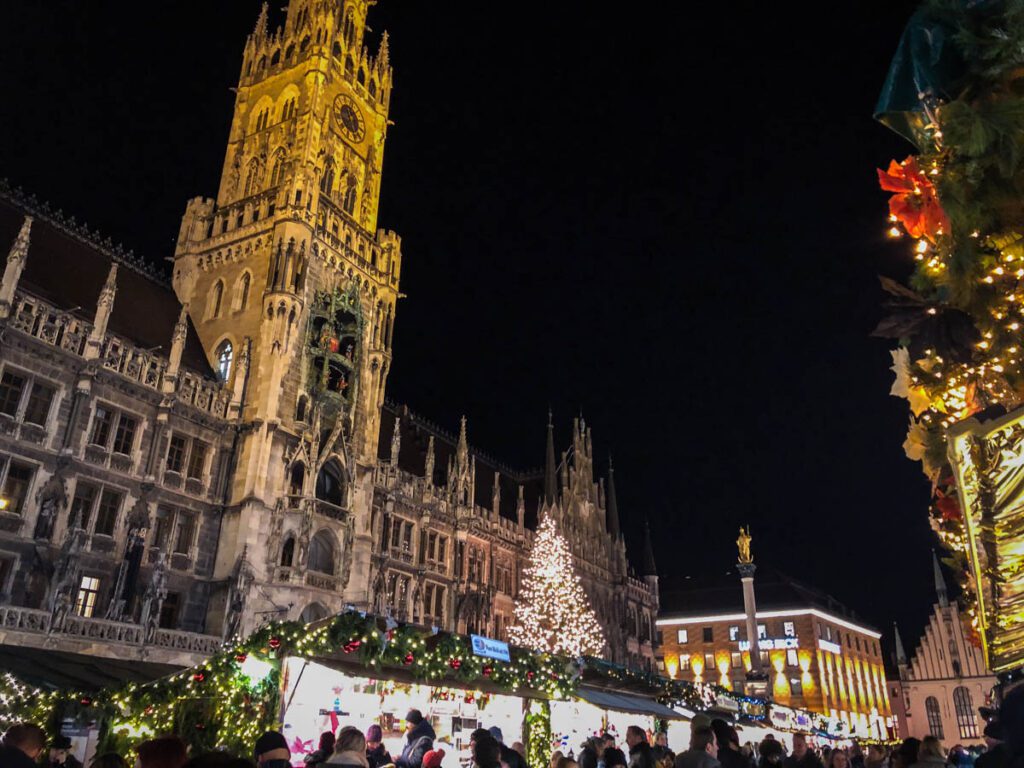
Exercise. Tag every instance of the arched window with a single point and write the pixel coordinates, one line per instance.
(252, 177)
(224, 356)
(349, 204)
(304, 44)
(931, 708)
(349, 30)
(329, 485)
(289, 52)
(300, 409)
(321, 554)
(361, 77)
(965, 718)
(350, 66)
(277, 169)
(297, 479)
(313, 612)
(243, 290)
(276, 57)
(327, 179)
(263, 63)
(216, 298)
(336, 50)
(288, 552)
(373, 87)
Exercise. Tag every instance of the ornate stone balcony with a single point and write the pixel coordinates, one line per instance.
(30, 627)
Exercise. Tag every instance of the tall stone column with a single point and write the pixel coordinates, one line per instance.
(750, 608)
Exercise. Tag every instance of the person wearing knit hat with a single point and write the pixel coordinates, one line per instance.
(419, 736)
(433, 758)
(271, 750)
(376, 753)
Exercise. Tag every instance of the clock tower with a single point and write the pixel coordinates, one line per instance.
(292, 290)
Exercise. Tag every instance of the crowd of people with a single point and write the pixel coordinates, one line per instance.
(714, 743)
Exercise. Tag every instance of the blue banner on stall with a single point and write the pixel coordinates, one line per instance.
(490, 649)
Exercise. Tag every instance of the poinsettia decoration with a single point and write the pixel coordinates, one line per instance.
(915, 203)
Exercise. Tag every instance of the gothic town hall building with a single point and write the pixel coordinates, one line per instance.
(184, 460)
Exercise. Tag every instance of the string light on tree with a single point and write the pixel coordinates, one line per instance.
(552, 612)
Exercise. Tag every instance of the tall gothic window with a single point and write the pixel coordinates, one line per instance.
(329, 484)
(350, 196)
(252, 181)
(243, 290)
(965, 719)
(327, 180)
(216, 298)
(321, 554)
(931, 708)
(288, 552)
(224, 355)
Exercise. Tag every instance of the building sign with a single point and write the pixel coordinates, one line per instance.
(490, 649)
(782, 717)
(825, 645)
(772, 644)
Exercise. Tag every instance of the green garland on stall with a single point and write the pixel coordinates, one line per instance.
(538, 734)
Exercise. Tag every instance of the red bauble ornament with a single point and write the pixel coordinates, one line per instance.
(333, 344)
(199, 677)
(455, 663)
(200, 727)
(530, 676)
(85, 701)
(241, 657)
(487, 670)
(275, 643)
(351, 646)
(409, 659)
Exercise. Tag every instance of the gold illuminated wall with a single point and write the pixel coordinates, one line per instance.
(849, 685)
(988, 459)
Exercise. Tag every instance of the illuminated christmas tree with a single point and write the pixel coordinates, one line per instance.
(552, 612)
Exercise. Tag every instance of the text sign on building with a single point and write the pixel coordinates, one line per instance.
(772, 644)
(490, 649)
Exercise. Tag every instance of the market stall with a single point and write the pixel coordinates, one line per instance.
(319, 695)
(593, 711)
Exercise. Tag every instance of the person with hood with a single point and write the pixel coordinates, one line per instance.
(433, 758)
(271, 751)
(419, 739)
(323, 752)
(376, 753)
(703, 751)
(60, 753)
(639, 750)
(349, 749)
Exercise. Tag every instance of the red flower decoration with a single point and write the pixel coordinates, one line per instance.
(948, 506)
(352, 645)
(915, 204)
(199, 677)
(530, 676)
(85, 701)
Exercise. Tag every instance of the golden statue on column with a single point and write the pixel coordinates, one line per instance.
(743, 544)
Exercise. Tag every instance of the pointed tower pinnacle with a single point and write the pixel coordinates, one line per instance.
(901, 654)
(940, 582)
(428, 471)
(612, 503)
(384, 52)
(462, 453)
(650, 569)
(550, 472)
(260, 31)
(15, 264)
(396, 441)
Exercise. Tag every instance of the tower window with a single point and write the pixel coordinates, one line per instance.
(327, 180)
(289, 52)
(304, 44)
(276, 58)
(349, 204)
(373, 87)
(251, 178)
(336, 50)
(329, 484)
(321, 554)
(350, 66)
(349, 30)
(216, 297)
(224, 355)
(243, 290)
(288, 553)
(361, 77)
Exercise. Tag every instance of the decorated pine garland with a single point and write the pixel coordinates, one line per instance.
(955, 90)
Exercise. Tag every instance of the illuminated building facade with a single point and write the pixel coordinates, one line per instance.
(185, 460)
(818, 655)
(946, 680)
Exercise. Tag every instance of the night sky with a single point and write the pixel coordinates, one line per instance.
(668, 223)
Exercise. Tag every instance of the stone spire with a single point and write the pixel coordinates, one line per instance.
(462, 452)
(521, 508)
(901, 654)
(383, 53)
(396, 441)
(611, 503)
(940, 582)
(428, 471)
(104, 308)
(496, 495)
(550, 472)
(15, 264)
(260, 31)
(178, 337)
(650, 569)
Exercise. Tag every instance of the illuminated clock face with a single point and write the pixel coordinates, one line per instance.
(349, 118)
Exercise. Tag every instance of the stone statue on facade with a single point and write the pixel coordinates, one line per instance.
(51, 499)
(743, 544)
(238, 593)
(135, 542)
(65, 578)
(153, 599)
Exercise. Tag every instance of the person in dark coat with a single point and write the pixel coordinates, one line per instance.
(419, 739)
(376, 753)
(271, 751)
(323, 752)
(590, 751)
(509, 756)
(639, 750)
(729, 754)
(60, 753)
(21, 745)
(802, 757)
